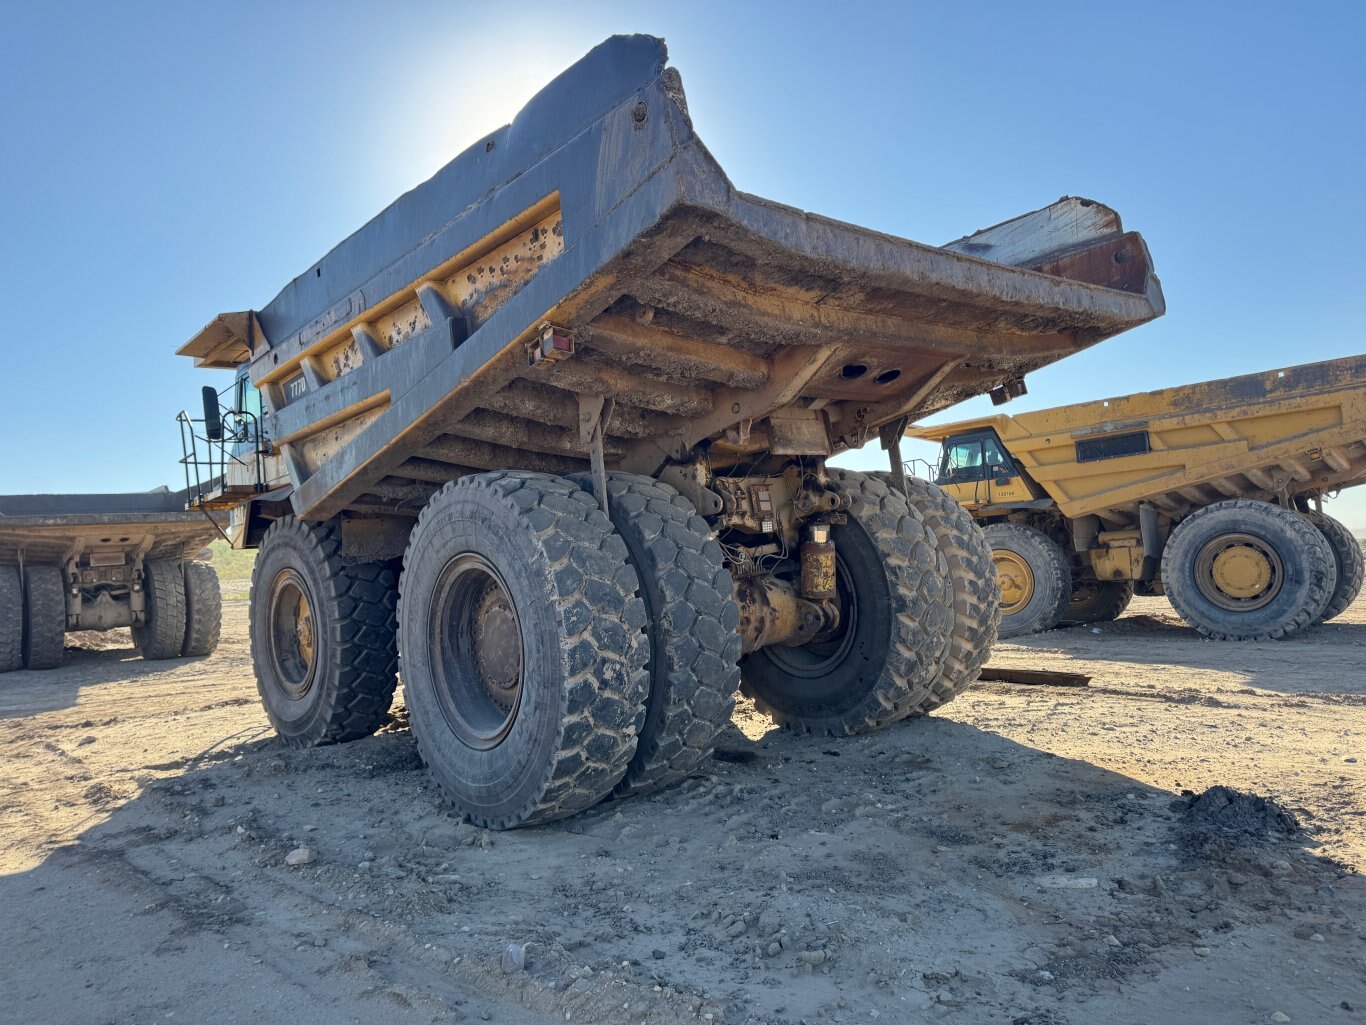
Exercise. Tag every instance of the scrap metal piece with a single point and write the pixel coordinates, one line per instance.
(1034, 677)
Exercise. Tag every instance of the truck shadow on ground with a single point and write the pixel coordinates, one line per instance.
(29, 692)
(922, 867)
(1320, 659)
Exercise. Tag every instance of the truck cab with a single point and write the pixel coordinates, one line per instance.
(976, 470)
(230, 461)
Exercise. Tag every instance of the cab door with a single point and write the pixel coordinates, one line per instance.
(977, 471)
(1005, 483)
(962, 470)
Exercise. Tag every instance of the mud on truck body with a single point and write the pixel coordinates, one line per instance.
(97, 562)
(553, 430)
(1210, 493)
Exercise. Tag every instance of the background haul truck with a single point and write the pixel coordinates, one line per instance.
(1209, 493)
(553, 429)
(96, 562)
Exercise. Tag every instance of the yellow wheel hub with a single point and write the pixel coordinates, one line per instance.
(1017, 580)
(1242, 571)
(1239, 571)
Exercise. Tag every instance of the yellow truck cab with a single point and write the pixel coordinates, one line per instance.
(975, 469)
(1209, 493)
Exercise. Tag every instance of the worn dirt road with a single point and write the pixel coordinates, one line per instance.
(1021, 857)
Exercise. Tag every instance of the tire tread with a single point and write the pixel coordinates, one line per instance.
(360, 609)
(683, 581)
(972, 580)
(203, 610)
(44, 621)
(604, 694)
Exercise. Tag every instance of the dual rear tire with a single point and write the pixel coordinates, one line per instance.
(881, 663)
(32, 617)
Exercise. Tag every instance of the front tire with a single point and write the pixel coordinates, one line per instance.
(1245, 570)
(44, 617)
(524, 649)
(322, 635)
(882, 661)
(1034, 577)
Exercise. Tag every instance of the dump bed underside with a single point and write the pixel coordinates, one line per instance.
(713, 320)
(53, 528)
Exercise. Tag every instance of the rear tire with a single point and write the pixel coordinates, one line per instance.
(163, 588)
(11, 619)
(44, 617)
(1097, 601)
(1244, 570)
(1347, 557)
(524, 648)
(1034, 577)
(203, 610)
(692, 621)
(323, 639)
(972, 579)
(882, 663)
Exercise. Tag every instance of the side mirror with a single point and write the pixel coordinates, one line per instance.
(213, 423)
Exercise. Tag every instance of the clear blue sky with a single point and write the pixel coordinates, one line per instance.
(165, 162)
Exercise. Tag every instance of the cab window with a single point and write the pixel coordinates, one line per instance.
(248, 397)
(995, 458)
(973, 457)
(962, 461)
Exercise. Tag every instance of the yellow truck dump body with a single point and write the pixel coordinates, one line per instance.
(1300, 430)
(1202, 492)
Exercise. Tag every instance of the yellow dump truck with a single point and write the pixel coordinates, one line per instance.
(1209, 493)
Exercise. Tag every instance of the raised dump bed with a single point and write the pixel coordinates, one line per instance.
(1209, 491)
(579, 331)
(96, 562)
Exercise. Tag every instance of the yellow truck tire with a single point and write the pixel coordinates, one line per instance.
(1244, 570)
(1034, 577)
(878, 666)
(1097, 601)
(976, 595)
(1350, 564)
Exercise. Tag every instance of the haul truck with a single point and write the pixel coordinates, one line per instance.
(96, 562)
(1209, 493)
(553, 430)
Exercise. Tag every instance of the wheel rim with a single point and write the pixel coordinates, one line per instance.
(818, 658)
(293, 634)
(1016, 578)
(475, 652)
(1239, 572)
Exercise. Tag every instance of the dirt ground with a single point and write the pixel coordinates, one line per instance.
(1023, 857)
